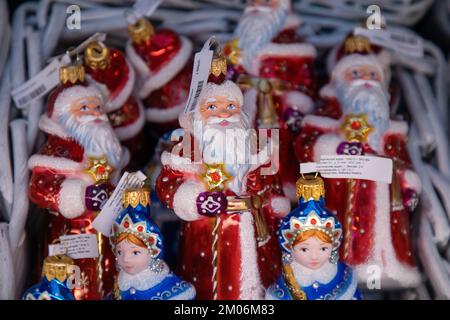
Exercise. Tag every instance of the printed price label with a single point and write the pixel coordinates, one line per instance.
(352, 167)
(78, 246)
(48, 78)
(105, 219)
(200, 74)
(401, 42)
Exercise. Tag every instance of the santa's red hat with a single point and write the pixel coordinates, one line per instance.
(71, 88)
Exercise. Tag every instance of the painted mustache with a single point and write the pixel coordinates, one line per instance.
(87, 119)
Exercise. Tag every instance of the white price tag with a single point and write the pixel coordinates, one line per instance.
(401, 42)
(105, 219)
(77, 246)
(352, 167)
(48, 78)
(200, 74)
(142, 8)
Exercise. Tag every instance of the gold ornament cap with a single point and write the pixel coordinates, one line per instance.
(73, 74)
(134, 197)
(57, 267)
(141, 31)
(97, 56)
(357, 44)
(310, 187)
(218, 66)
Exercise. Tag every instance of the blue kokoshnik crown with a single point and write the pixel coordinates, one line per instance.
(311, 214)
(135, 219)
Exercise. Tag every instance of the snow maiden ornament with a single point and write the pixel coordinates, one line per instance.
(229, 205)
(137, 244)
(310, 237)
(74, 171)
(54, 282)
(276, 70)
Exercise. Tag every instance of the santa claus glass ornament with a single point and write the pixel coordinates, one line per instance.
(56, 274)
(310, 237)
(72, 173)
(230, 206)
(137, 244)
(375, 215)
(276, 69)
(109, 70)
(162, 60)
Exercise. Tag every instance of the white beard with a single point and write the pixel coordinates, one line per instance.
(374, 102)
(228, 145)
(97, 139)
(256, 29)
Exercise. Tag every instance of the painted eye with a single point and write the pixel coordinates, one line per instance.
(97, 108)
(231, 107)
(324, 249)
(373, 75)
(212, 107)
(304, 249)
(136, 253)
(356, 74)
(119, 253)
(84, 108)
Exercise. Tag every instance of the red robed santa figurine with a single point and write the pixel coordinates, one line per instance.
(230, 205)
(162, 60)
(329, 104)
(277, 70)
(109, 70)
(72, 173)
(375, 216)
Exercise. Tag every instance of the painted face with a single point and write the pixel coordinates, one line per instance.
(132, 258)
(312, 253)
(87, 106)
(364, 72)
(219, 107)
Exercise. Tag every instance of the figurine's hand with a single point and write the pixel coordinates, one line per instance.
(211, 204)
(410, 199)
(96, 196)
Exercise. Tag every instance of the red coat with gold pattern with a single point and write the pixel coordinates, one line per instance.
(220, 255)
(164, 69)
(62, 181)
(376, 233)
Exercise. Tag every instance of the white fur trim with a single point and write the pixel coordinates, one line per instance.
(175, 162)
(305, 277)
(397, 127)
(226, 89)
(120, 99)
(159, 115)
(299, 101)
(283, 50)
(71, 198)
(281, 206)
(326, 145)
(68, 95)
(354, 60)
(251, 287)
(250, 104)
(393, 272)
(52, 127)
(328, 91)
(184, 200)
(131, 130)
(293, 21)
(138, 63)
(154, 81)
(54, 163)
(412, 181)
(144, 280)
(320, 122)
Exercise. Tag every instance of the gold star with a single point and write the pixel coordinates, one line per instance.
(356, 127)
(99, 169)
(215, 176)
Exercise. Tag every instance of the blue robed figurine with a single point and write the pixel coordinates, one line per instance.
(54, 282)
(138, 246)
(309, 237)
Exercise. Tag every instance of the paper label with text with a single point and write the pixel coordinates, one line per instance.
(77, 246)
